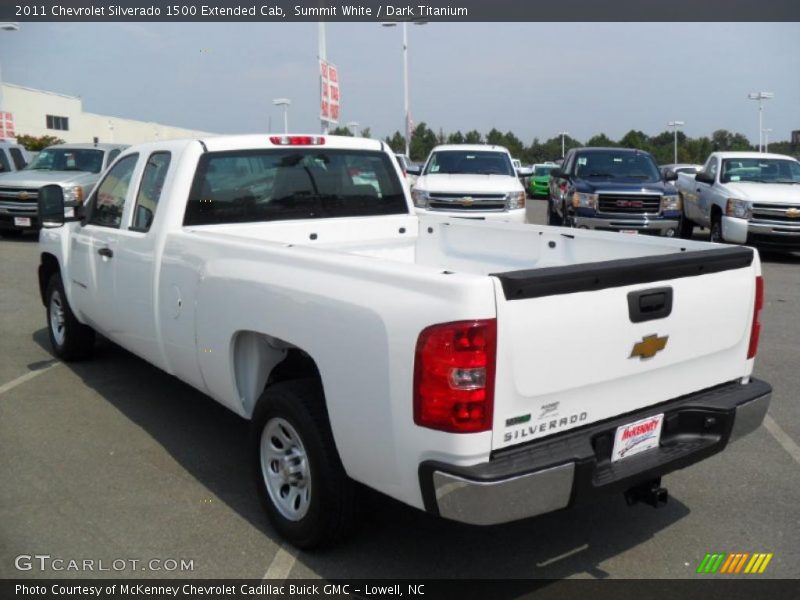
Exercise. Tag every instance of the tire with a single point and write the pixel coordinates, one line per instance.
(11, 233)
(553, 218)
(686, 227)
(716, 229)
(308, 497)
(568, 220)
(71, 340)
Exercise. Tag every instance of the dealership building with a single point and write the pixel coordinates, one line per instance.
(38, 113)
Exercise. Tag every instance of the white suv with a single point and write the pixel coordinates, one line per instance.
(472, 181)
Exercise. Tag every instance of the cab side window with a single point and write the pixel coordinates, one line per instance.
(155, 172)
(112, 156)
(109, 197)
(710, 168)
(16, 156)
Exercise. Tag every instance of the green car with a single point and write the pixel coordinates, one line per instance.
(540, 180)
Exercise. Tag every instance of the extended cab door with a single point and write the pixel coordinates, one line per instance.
(94, 247)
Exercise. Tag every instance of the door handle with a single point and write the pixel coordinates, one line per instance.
(106, 252)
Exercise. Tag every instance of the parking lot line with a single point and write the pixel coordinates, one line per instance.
(782, 437)
(282, 563)
(27, 376)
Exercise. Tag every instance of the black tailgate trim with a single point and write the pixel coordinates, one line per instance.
(551, 281)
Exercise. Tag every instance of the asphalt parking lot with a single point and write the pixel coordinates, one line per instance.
(114, 459)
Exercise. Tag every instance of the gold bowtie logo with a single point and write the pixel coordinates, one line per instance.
(649, 346)
(793, 213)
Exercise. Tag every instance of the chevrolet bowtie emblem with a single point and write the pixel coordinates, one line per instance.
(649, 346)
(22, 195)
(793, 213)
(467, 201)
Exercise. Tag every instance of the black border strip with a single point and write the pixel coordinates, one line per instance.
(551, 281)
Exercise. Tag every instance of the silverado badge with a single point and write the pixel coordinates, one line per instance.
(649, 346)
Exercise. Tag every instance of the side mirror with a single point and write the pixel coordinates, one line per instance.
(670, 175)
(414, 170)
(704, 177)
(51, 206)
(558, 173)
(52, 209)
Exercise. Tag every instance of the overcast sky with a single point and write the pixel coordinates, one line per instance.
(532, 78)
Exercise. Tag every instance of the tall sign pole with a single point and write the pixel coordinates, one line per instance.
(323, 59)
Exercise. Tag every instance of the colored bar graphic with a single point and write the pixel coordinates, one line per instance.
(733, 563)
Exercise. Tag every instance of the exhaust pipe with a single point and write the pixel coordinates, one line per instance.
(649, 492)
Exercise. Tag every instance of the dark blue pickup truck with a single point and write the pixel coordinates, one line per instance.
(613, 189)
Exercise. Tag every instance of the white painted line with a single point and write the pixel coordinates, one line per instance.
(282, 563)
(572, 552)
(27, 377)
(782, 437)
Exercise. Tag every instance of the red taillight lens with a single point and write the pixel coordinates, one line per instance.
(297, 140)
(454, 376)
(755, 330)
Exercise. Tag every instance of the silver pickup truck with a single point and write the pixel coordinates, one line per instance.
(744, 198)
(75, 167)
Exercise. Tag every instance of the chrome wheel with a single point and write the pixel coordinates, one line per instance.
(57, 321)
(285, 469)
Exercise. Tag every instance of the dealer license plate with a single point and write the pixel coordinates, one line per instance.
(637, 437)
(22, 221)
(630, 231)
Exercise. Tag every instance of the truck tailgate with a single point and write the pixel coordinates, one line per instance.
(584, 343)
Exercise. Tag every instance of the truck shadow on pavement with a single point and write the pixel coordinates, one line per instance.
(394, 540)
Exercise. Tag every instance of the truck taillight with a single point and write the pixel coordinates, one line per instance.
(755, 330)
(454, 376)
(297, 140)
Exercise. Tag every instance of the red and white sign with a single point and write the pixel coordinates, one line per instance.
(329, 88)
(7, 126)
(633, 438)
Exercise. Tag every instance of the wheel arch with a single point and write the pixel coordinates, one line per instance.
(48, 265)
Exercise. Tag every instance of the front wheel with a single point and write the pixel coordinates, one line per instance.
(716, 229)
(553, 218)
(71, 339)
(304, 489)
(685, 228)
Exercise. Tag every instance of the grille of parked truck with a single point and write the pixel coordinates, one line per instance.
(428, 357)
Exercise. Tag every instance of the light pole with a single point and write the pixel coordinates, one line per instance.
(323, 57)
(353, 126)
(675, 125)
(766, 131)
(563, 135)
(285, 103)
(760, 96)
(406, 109)
(5, 26)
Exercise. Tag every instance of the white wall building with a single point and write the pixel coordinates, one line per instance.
(38, 113)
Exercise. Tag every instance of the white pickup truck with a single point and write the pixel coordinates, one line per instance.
(448, 363)
(744, 198)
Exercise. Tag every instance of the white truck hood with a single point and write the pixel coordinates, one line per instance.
(773, 193)
(468, 184)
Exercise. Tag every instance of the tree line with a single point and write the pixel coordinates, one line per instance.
(690, 150)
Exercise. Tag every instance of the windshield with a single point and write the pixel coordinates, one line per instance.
(612, 164)
(448, 162)
(760, 170)
(68, 159)
(543, 170)
(308, 183)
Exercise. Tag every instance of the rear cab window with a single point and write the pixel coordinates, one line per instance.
(153, 177)
(293, 183)
(18, 158)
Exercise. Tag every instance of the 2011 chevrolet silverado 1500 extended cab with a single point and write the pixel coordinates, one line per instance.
(288, 278)
(744, 198)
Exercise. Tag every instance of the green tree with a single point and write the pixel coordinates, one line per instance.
(601, 140)
(635, 139)
(366, 132)
(473, 137)
(397, 142)
(341, 131)
(423, 140)
(35, 144)
(495, 137)
(455, 138)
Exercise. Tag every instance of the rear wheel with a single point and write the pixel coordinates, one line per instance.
(686, 227)
(306, 493)
(71, 339)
